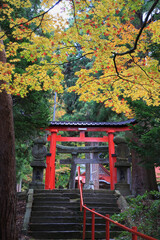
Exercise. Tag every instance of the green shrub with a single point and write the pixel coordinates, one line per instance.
(143, 212)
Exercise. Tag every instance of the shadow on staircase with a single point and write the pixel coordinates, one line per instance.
(55, 214)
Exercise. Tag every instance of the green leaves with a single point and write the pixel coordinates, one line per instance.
(30, 114)
(143, 212)
(147, 133)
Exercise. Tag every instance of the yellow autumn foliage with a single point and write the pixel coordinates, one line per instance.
(104, 29)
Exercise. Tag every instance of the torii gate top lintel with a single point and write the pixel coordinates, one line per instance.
(82, 127)
(91, 126)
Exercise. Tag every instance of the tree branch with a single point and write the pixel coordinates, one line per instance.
(137, 38)
(38, 16)
(141, 68)
(74, 13)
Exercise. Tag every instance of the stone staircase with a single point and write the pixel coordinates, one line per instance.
(56, 214)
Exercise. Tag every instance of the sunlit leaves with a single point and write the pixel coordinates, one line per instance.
(101, 28)
(43, 70)
(106, 27)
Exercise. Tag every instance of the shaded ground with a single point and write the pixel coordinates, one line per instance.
(21, 208)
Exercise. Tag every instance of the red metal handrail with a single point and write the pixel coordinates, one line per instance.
(134, 231)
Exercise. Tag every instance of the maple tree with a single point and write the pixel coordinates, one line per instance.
(76, 110)
(7, 140)
(121, 52)
(30, 113)
(107, 34)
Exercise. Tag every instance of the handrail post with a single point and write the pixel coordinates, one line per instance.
(80, 206)
(134, 237)
(93, 224)
(84, 222)
(78, 176)
(80, 188)
(107, 227)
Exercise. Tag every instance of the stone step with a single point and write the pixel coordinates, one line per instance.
(42, 203)
(73, 204)
(99, 198)
(55, 226)
(54, 213)
(72, 239)
(66, 193)
(101, 204)
(57, 219)
(95, 194)
(55, 208)
(62, 200)
(103, 191)
(68, 213)
(62, 218)
(69, 234)
(55, 234)
(101, 227)
(66, 219)
(57, 195)
(99, 235)
(74, 191)
(103, 209)
(66, 226)
(52, 198)
(67, 196)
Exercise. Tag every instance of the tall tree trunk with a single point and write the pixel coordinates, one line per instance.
(143, 179)
(7, 167)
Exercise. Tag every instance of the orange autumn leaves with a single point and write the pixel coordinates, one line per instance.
(101, 28)
(104, 33)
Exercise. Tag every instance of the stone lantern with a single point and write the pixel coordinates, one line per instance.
(122, 165)
(39, 152)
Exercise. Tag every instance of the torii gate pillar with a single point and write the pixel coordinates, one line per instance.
(50, 161)
(112, 160)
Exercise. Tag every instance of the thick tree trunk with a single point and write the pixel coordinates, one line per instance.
(7, 167)
(143, 179)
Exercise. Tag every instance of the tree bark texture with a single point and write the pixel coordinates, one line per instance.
(7, 167)
(143, 179)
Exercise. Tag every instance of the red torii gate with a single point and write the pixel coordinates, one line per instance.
(109, 127)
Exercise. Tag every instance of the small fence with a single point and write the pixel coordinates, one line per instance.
(132, 230)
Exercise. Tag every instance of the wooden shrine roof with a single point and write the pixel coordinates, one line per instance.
(92, 124)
